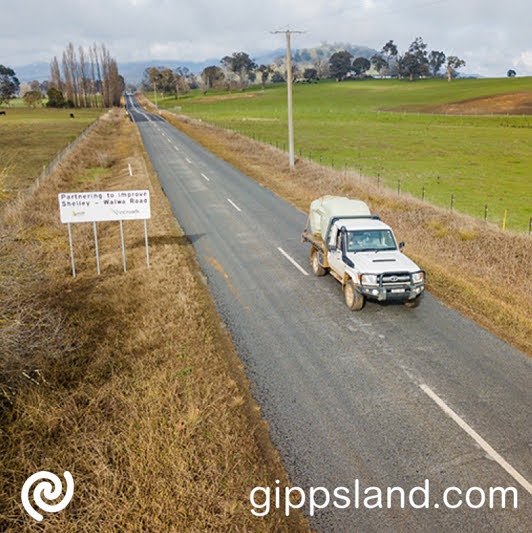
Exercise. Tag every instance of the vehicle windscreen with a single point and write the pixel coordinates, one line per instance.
(370, 240)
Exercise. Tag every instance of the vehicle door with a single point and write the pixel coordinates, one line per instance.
(335, 255)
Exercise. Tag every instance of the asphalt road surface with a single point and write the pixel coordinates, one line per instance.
(386, 397)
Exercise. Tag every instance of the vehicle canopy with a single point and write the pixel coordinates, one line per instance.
(326, 208)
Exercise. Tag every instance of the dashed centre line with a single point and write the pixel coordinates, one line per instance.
(479, 440)
(293, 261)
(203, 175)
(188, 160)
(234, 205)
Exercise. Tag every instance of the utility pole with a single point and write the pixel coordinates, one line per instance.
(289, 88)
(155, 91)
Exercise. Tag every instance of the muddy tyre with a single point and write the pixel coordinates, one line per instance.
(353, 299)
(316, 267)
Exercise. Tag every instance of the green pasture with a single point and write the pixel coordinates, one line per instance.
(480, 160)
(31, 138)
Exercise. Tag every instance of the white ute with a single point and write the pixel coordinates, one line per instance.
(361, 252)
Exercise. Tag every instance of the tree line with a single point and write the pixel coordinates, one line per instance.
(237, 71)
(416, 62)
(85, 78)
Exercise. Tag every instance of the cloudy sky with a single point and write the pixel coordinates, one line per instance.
(491, 35)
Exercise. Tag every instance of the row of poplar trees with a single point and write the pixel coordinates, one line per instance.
(88, 78)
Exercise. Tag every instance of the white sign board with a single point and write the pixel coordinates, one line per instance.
(104, 206)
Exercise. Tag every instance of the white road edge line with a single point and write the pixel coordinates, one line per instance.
(234, 205)
(299, 267)
(480, 441)
(205, 177)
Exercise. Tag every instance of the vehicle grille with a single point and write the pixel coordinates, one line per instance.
(395, 278)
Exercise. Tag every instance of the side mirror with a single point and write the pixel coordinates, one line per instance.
(401, 245)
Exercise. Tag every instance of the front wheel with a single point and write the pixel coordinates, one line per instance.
(411, 304)
(353, 299)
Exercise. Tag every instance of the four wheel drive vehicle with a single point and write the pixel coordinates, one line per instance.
(361, 252)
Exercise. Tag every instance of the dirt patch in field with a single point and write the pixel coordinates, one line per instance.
(500, 104)
(226, 97)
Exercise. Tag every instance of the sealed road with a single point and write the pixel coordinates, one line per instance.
(386, 397)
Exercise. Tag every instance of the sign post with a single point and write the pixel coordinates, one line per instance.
(77, 207)
(71, 251)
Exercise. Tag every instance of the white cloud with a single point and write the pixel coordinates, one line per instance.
(490, 35)
(523, 63)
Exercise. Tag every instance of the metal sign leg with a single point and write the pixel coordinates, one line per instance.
(123, 248)
(96, 244)
(146, 240)
(71, 251)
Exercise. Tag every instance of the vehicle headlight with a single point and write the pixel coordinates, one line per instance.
(418, 277)
(369, 279)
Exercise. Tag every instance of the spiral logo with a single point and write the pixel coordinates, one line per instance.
(51, 488)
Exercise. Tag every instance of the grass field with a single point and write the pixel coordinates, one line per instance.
(478, 159)
(31, 138)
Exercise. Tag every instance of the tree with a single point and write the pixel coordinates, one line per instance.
(511, 73)
(32, 98)
(310, 74)
(321, 66)
(277, 77)
(55, 98)
(453, 64)
(167, 81)
(240, 64)
(378, 63)
(390, 53)
(265, 72)
(210, 76)
(436, 60)
(340, 64)
(9, 84)
(361, 65)
(181, 80)
(416, 62)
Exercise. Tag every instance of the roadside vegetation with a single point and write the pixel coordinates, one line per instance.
(386, 130)
(472, 266)
(126, 380)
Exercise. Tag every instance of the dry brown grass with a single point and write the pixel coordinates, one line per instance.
(473, 267)
(126, 380)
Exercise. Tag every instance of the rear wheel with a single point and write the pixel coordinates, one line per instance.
(316, 267)
(353, 299)
(411, 304)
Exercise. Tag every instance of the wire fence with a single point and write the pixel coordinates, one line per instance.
(329, 161)
(49, 169)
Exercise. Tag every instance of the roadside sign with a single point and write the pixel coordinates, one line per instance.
(104, 206)
(77, 207)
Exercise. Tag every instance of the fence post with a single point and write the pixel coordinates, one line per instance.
(398, 186)
(378, 180)
(530, 226)
(452, 201)
(423, 194)
(485, 212)
(504, 221)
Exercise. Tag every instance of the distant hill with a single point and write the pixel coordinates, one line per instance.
(325, 51)
(132, 71)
